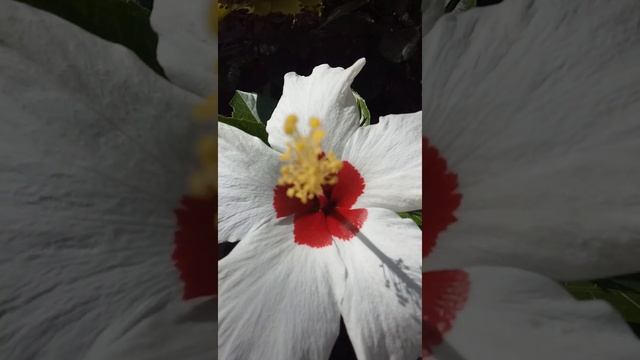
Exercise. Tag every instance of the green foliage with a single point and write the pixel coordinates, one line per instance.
(245, 106)
(623, 293)
(415, 215)
(250, 127)
(365, 115)
(245, 115)
(120, 21)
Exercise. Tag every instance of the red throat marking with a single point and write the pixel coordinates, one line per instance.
(444, 293)
(194, 254)
(330, 215)
(440, 198)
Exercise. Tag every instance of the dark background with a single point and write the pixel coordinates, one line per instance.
(256, 51)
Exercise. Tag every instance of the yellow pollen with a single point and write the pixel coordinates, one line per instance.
(314, 122)
(306, 168)
(290, 124)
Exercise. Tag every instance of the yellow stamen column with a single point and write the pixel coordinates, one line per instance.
(306, 168)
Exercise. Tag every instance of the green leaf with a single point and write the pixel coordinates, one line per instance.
(365, 115)
(618, 293)
(416, 216)
(251, 127)
(119, 21)
(245, 106)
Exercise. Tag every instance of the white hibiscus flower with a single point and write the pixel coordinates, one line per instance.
(96, 153)
(314, 246)
(531, 116)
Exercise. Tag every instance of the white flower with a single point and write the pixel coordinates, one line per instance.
(96, 152)
(534, 107)
(299, 267)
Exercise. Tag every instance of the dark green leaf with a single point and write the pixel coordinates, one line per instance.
(627, 302)
(245, 106)
(120, 21)
(251, 127)
(416, 216)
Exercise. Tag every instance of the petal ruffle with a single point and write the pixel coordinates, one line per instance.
(248, 173)
(278, 299)
(187, 47)
(388, 155)
(325, 94)
(382, 307)
(95, 152)
(514, 314)
(545, 149)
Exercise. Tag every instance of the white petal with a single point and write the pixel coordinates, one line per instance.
(382, 306)
(94, 154)
(388, 155)
(513, 314)
(325, 94)
(277, 299)
(187, 47)
(183, 330)
(535, 106)
(432, 10)
(248, 173)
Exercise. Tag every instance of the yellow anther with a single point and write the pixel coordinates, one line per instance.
(290, 124)
(306, 167)
(317, 135)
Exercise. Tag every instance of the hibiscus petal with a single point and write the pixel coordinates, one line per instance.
(444, 293)
(349, 188)
(432, 10)
(248, 173)
(278, 299)
(94, 155)
(344, 224)
(285, 206)
(382, 301)
(182, 330)
(440, 197)
(514, 314)
(187, 47)
(311, 229)
(389, 157)
(534, 105)
(325, 94)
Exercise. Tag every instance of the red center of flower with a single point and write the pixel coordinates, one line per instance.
(194, 254)
(329, 215)
(443, 292)
(440, 198)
